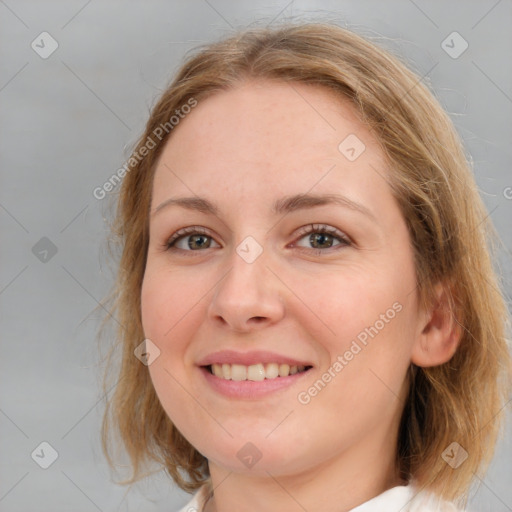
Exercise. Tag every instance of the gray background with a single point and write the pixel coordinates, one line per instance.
(67, 124)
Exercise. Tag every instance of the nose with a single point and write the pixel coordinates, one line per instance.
(248, 297)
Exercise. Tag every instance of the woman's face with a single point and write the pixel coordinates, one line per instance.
(269, 279)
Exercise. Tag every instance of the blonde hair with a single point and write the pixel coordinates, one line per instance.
(452, 236)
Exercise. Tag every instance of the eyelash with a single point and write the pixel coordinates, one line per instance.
(306, 230)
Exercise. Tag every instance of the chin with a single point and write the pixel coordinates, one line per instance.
(258, 457)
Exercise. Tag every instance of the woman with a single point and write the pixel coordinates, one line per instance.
(309, 315)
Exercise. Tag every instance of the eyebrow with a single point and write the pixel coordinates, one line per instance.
(284, 205)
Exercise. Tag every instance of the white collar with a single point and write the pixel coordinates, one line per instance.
(397, 497)
(402, 498)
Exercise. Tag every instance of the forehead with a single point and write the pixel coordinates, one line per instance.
(269, 138)
(255, 112)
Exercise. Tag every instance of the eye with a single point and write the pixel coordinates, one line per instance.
(189, 239)
(322, 238)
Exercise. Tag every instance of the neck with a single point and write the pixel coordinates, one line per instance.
(339, 484)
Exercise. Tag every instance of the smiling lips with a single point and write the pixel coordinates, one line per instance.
(251, 375)
(253, 366)
(255, 372)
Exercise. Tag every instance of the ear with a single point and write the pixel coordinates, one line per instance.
(439, 332)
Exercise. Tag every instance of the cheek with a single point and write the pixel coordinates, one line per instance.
(170, 308)
(367, 363)
(166, 299)
(354, 299)
(369, 318)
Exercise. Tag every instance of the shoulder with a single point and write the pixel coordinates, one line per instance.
(407, 498)
(197, 501)
(422, 501)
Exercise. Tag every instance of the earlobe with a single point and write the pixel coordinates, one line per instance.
(440, 334)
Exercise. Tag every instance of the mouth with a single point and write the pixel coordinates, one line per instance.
(254, 372)
(252, 375)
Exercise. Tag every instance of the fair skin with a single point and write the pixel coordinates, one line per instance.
(242, 150)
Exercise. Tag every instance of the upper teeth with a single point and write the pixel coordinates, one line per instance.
(255, 371)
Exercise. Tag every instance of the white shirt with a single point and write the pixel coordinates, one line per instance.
(404, 498)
